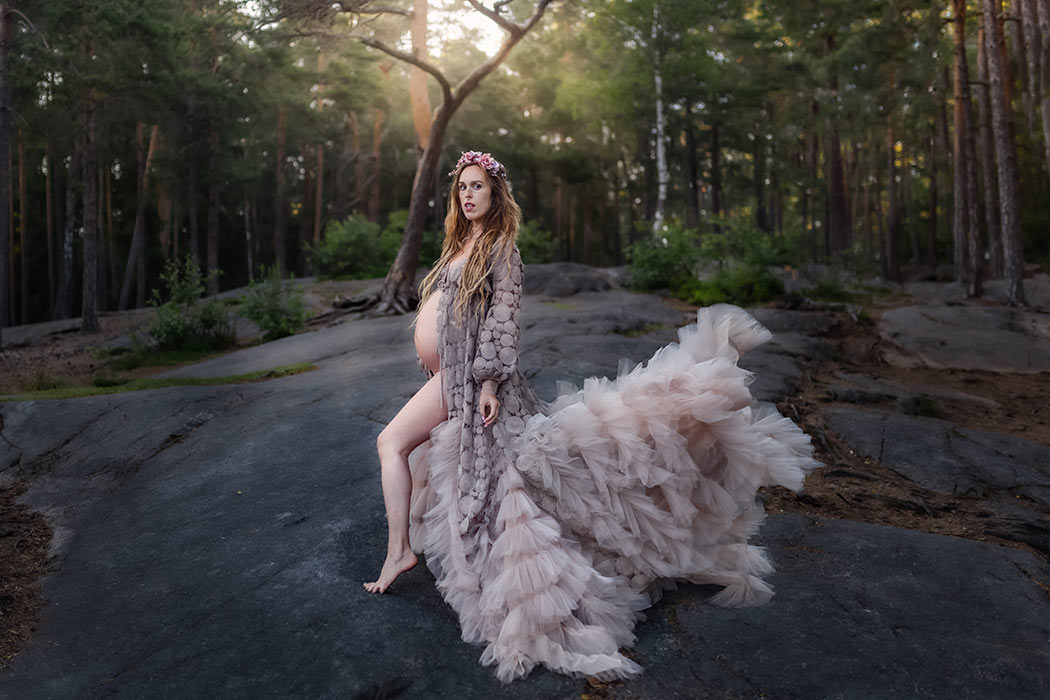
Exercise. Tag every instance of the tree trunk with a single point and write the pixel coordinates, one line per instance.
(114, 264)
(319, 181)
(280, 205)
(136, 266)
(377, 162)
(191, 213)
(692, 168)
(417, 78)
(964, 180)
(838, 213)
(212, 233)
(717, 198)
(49, 222)
(906, 196)
(812, 157)
(6, 41)
(987, 164)
(758, 178)
(399, 288)
(1033, 50)
(931, 238)
(1013, 260)
(89, 298)
(360, 176)
(248, 239)
(662, 175)
(305, 220)
(23, 225)
(64, 298)
(1042, 11)
(891, 267)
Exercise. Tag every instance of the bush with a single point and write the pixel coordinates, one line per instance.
(184, 320)
(277, 309)
(741, 284)
(536, 245)
(354, 248)
(741, 241)
(666, 262)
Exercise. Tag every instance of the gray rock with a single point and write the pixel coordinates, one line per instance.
(862, 612)
(943, 457)
(790, 321)
(862, 388)
(990, 338)
(211, 542)
(564, 279)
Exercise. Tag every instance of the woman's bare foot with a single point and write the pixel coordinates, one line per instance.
(392, 568)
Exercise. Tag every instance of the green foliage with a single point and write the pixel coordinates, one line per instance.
(354, 248)
(277, 309)
(740, 240)
(536, 245)
(740, 284)
(830, 290)
(185, 321)
(667, 262)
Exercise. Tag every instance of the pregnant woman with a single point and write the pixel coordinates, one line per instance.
(550, 526)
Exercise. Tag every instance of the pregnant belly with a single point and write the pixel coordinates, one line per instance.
(426, 333)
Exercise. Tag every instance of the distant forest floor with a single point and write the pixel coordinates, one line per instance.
(848, 487)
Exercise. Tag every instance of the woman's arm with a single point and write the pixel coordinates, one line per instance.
(497, 356)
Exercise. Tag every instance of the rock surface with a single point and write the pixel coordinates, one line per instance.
(211, 542)
(968, 336)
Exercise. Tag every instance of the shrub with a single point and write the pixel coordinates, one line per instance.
(354, 248)
(830, 290)
(740, 240)
(277, 309)
(740, 284)
(184, 320)
(536, 245)
(665, 262)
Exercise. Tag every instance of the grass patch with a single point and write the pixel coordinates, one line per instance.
(830, 290)
(116, 385)
(144, 356)
(640, 330)
(562, 305)
(41, 381)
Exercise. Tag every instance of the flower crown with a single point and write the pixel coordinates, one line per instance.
(482, 160)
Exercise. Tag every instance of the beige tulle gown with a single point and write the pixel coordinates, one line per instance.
(551, 529)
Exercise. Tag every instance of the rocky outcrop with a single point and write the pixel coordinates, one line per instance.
(211, 541)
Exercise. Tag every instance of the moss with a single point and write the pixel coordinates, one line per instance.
(115, 385)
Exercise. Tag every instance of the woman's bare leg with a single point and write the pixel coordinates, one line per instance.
(410, 428)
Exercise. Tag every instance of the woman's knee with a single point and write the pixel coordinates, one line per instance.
(390, 444)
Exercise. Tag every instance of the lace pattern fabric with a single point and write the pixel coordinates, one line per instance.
(550, 529)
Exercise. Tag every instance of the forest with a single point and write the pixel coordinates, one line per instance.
(891, 138)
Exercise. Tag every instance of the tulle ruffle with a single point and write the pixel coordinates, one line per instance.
(621, 488)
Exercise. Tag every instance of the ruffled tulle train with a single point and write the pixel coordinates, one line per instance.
(612, 494)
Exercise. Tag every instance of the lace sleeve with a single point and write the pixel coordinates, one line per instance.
(497, 356)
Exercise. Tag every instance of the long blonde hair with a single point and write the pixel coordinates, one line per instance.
(499, 231)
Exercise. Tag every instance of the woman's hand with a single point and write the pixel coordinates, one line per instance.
(488, 407)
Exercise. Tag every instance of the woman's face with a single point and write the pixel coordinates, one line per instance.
(475, 193)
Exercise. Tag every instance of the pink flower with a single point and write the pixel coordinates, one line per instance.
(482, 160)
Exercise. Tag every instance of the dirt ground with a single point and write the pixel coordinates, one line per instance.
(848, 487)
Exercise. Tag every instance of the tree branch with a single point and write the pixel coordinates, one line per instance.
(492, 14)
(470, 82)
(446, 89)
(25, 19)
